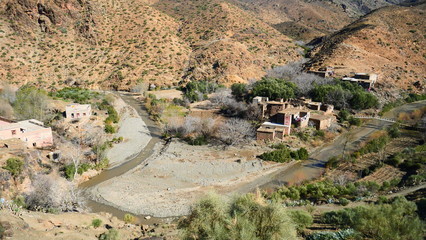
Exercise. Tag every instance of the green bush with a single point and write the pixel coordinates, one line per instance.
(129, 218)
(354, 121)
(96, 222)
(246, 217)
(374, 145)
(343, 201)
(110, 129)
(14, 166)
(239, 91)
(197, 141)
(274, 89)
(344, 94)
(343, 115)
(193, 89)
(302, 219)
(398, 220)
(112, 234)
(303, 154)
(75, 94)
(393, 131)
(279, 155)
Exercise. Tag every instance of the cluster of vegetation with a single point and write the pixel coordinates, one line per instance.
(246, 217)
(324, 191)
(344, 115)
(200, 131)
(198, 90)
(112, 116)
(14, 166)
(372, 146)
(344, 95)
(337, 235)
(69, 170)
(397, 220)
(412, 97)
(32, 103)
(112, 234)
(96, 222)
(413, 162)
(75, 94)
(283, 154)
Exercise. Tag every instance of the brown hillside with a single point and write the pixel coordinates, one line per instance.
(389, 41)
(306, 20)
(115, 44)
(227, 42)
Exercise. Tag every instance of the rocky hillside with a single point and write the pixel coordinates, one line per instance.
(389, 41)
(115, 44)
(305, 20)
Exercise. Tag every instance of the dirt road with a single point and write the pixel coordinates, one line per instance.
(314, 167)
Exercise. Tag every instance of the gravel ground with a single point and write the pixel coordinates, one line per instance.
(134, 131)
(179, 174)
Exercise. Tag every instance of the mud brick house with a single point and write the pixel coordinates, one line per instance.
(76, 111)
(321, 122)
(282, 116)
(325, 72)
(31, 132)
(366, 80)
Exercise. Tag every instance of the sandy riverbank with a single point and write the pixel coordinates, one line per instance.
(179, 174)
(134, 131)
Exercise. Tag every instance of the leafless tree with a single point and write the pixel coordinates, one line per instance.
(293, 72)
(8, 93)
(221, 97)
(235, 131)
(6, 109)
(52, 192)
(141, 88)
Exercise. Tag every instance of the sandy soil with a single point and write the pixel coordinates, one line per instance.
(71, 226)
(178, 174)
(134, 131)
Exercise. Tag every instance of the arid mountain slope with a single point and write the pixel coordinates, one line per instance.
(228, 44)
(305, 20)
(390, 41)
(115, 44)
(96, 43)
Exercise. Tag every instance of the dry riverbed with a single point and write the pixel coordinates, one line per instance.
(178, 174)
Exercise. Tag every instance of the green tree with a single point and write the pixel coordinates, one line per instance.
(239, 91)
(14, 166)
(274, 88)
(32, 103)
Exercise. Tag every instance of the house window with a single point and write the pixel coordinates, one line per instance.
(72, 115)
(84, 114)
(78, 114)
(13, 132)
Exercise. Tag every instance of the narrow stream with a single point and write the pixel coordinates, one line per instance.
(125, 167)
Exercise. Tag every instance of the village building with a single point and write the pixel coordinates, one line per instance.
(321, 122)
(77, 111)
(325, 72)
(282, 116)
(32, 132)
(366, 80)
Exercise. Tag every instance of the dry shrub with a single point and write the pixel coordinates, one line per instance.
(377, 134)
(317, 142)
(329, 136)
(50, 192)
(404, 116)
